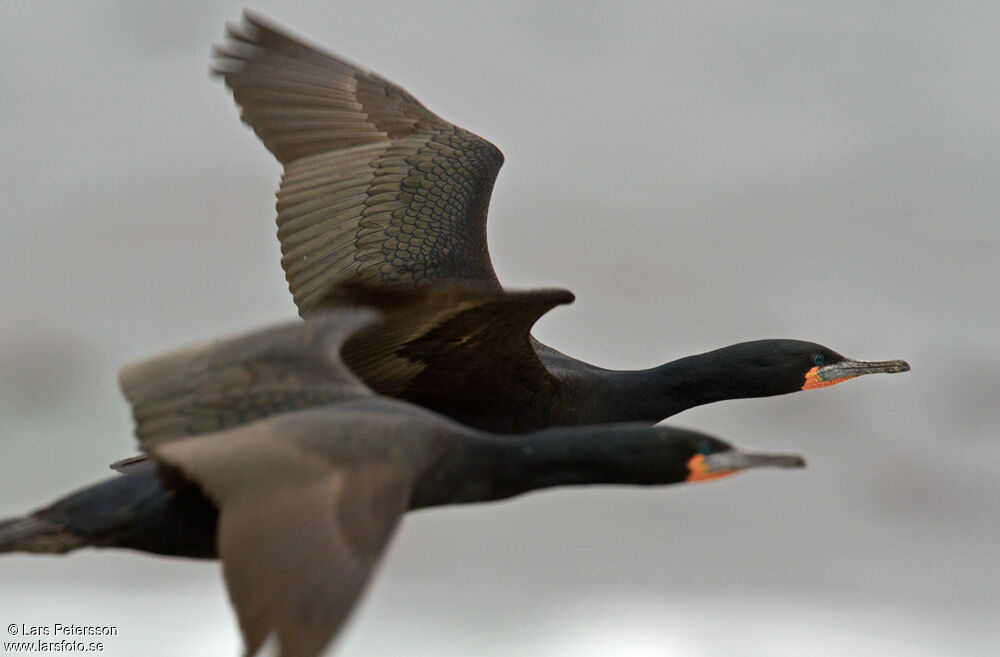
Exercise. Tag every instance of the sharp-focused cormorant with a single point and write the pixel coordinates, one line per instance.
(268, 453)
(378, 190)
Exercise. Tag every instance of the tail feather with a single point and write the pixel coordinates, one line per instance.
(124, 465)
(34, 534)
(135, 510)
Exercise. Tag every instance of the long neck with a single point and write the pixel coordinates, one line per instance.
(489, 467)
(659, 392)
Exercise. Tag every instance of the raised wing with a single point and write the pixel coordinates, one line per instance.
(235, 381)
(461, 350)
(298, 535)
(375, 188)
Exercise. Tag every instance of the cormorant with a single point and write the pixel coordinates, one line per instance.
(379, 190)
(269, 454)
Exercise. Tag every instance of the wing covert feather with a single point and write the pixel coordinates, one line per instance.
(239, 380)
(462, 350)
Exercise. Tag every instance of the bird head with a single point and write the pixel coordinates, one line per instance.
(774, 367)
(693, 456)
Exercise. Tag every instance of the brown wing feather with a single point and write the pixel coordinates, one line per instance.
(235, 381)
(376, 188)
(462, 350)
(299, 535)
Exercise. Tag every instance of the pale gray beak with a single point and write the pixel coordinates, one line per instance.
(737, 460)
(849, 368)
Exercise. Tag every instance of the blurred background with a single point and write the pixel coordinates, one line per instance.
(698, 173)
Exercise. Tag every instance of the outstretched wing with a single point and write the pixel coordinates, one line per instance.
(461, 350)
(298, 535)
(239, 380)
(376, 188)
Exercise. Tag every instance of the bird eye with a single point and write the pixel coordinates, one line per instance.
(704, 448)
(818, 360)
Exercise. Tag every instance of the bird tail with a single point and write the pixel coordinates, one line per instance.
(133, 510)
(33, 534)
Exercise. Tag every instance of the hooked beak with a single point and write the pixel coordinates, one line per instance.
(847, 368)
(827, 375)
(720, 464)
(736, 460)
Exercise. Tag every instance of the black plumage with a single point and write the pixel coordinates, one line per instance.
(378, 190)
(266, 451)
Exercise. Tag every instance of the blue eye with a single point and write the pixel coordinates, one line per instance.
(704, 448)
(818, 360)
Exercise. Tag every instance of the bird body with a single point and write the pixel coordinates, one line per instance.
(466, 351)
(377, 190)
(157, 509)
(292, 453)
(266, 451)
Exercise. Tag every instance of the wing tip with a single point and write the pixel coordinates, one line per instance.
(258, 31)
(547, 296)
(559, 296)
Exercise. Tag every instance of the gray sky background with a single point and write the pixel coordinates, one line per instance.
(698, 173)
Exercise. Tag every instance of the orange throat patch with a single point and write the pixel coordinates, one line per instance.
(813, 381)
(698, 470)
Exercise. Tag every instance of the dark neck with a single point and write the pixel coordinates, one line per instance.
(659, 392)
(487, 467)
